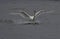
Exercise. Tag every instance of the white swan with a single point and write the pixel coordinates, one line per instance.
(26, 15)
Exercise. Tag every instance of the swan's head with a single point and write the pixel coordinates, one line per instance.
(31, 17)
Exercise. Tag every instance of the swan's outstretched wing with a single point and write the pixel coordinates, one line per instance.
(42, 12)
(22, 14)
(38, 13)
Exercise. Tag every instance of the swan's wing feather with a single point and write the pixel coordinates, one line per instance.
(43, 12)
(16, 14)
(25, 14)
(48, 12)
(22, 14)
(38, 13)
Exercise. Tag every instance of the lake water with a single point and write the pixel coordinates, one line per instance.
(49, 28)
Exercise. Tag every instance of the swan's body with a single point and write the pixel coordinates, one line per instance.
(31, 17)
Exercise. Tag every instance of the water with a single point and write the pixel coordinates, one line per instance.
(49, 28)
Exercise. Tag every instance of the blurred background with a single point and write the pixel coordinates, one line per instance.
(49, 28)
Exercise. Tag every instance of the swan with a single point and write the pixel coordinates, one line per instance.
(25, 15)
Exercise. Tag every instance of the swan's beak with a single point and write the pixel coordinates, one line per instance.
(31, 17)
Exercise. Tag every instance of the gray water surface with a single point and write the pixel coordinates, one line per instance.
(48, 29)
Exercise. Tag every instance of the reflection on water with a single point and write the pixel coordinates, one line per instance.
(17, 22)
(6, 21)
